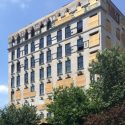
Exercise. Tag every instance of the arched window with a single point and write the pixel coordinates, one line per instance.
(12, 95)
(49, 24)
(18, 39)
(32, 88)
(26, 35)
(32, 32)
(41, 26)
(67, 10)
(79, 4)
(41, 89)
(13, 41)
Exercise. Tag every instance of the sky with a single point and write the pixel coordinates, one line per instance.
(15, 14)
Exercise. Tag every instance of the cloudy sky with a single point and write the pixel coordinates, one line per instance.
(14, 14)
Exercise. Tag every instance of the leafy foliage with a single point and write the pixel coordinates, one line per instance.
(111, 116)
(96, 105)
(22, 116)
(109, 89)
(69, 105)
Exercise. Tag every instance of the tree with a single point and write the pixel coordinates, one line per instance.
(109, 88)
(68, 106)
(19, 116)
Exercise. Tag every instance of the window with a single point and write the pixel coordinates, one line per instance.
(80, 45)
(18, 81)
(32, 88)
(68, 66)
(59, 68)
(42, 115)
(13, 55)
(26, 78)
(49, 24)
(13, 41)
(41, 73)
(26, 49)
(67, 32)
(41, 89)
(118, 33)
(12, 82)
(59, 52)
(49, 56)
(41, 44)
(32, 47)
(26, 35)
(12, 96)
(92, 77)
(79, 26)
(80, 62)
(32, 32)
(49, 40)
(26, 64)
(32, 76)
(48, 71)
(18, 67)
(48, 114)
(12, 68)
(41, 59)
(68, 49)
(59, 35)
(32, 62)
(18, 39)
(18, 53)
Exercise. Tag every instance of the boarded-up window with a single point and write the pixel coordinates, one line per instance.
(118, 33)
(92, 2)
(93, 21)
(108, 25)
(108, 42)
(92, 57)
(94, 39)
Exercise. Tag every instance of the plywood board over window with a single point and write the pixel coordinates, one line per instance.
(92, 2)
(64, 83)
(18, 95)
(80, 81)
(108, 25)
(108, 42)
(118, 33)
(123, 37)
(93, 21)
(94, 39)
(64, 19)
(26, 93)
(48, 88)
(92, 57)
(79, 11)
(41, 107)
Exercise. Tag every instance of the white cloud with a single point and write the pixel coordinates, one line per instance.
(19, 3)
(3, 89)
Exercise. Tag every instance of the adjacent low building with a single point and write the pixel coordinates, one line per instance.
(57, 49)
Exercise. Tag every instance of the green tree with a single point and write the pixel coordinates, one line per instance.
(109, 88)
(19, 116)
(68, 107)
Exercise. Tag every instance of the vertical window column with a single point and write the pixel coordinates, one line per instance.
(68, 66)
(80, 62)
(68, 49)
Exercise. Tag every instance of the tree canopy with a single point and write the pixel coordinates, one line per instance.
(26, 115)
(69, 105)
(107, 88)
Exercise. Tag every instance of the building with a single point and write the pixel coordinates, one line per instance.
(56, 50)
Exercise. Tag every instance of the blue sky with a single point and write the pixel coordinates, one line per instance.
(15, 14)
